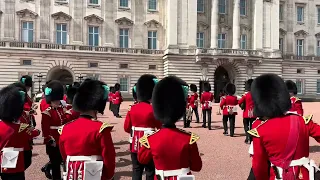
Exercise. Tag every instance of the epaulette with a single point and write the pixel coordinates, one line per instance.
(23, 126)
(297, 99)
(68, 112)
(193, 137)
(307, 119)
(46, 112)
(254, 132)
(105, 125)
(144, 141)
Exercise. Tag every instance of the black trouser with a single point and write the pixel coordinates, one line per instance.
(13, 176)
(205, 113)
(110, 106)
(247, 124)
(116, 109)
(196, 112)
(137, 169)
(27, 159)
(55, 159)
(232, 119)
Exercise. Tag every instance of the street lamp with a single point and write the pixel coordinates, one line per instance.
(39, 80)
(80, 78)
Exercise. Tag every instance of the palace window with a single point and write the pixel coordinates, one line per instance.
(152, 67)
(222, 6)
(27, 32)
(93, 64)
(300, 47)
(318, 48)
(222, 40)
(124, 3)
(93, 36)
(318, 15)
(123, 66)
(123, 81)
(299, 84)
(61, 34)
(200, 6)
(124, 38)
(152, 39)
(281, 12)
(95, 2)
(152, 5)
(26, 62)
(243, 7)
(318, 86)
(200, 39)
(281, 44)
(243, 41)
(300, 14)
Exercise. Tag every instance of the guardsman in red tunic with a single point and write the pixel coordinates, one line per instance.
(248, 117)
(86, 143)
(229, 109)
(279, 137)
(206, 102)
(71, 92)
(29, 106)
(12, 159)
(296, 104)
(140, 121)
(173, 151)
(117, 100)
(193, 103)
(52, 119)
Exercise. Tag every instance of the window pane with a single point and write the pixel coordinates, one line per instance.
(149, 33)
(58, 37)
(90, 39)
(30, 36)
(30, 24)
(96, 30)
(126, 42)
(64, 38)
(243, 7)
(24, 25)
(318, 86)
(153, 4)
(200, 5)
(299, 86)
(281, 12)
(64, 27)
(123, 3)
(90, 29)
(121, 41)
(126, 32)
(96, 39)
(154, 43)
(300, 14)
(222, 6)
(94, 1)
(25, 35)
(123, 84)
(318, 15)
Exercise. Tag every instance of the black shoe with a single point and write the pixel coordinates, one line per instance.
(246, 141)
(231, 135)
(46, 171)
(204, 126)
(209, 128)
(119, 116)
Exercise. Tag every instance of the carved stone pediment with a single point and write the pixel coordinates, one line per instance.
(202, 26)
(225, 27)
(223, 18)
(245, 27)
(317, 35)
(26, 12)
(61, 15)
(301, 33)
(282, 32)
(124, 21)
(152, 24)
(27, 0)
(94, 18)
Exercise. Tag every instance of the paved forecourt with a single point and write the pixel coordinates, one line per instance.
(223, 157)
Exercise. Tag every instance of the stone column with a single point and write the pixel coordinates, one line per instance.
(109, 23)
(172, 23)
(138, 27)
(45, 21)
(214, 23)
(275, 25)
(258, 25)
(9, 20)
(192, 18)
(236, 25)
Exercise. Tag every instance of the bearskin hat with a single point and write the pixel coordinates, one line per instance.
(112, 89)
(292, 87)
(145, 85)
(76, 84)
(207, 87)
(248, 84)
(270, 96)
(54, 91)
(26, 80)
(117, 87)
(169, 100)
(71, 91)
(134, 94)
(12, 101)
(91, 95)
(230, 89)
(193, 88)
(21, 87)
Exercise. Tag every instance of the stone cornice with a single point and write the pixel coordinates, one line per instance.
(282, 32)
(301, 33)
(152, 23)
(61, 14)
(92, 17)
(24, 12)
(203, 25)
(317, 35)
(124, 21)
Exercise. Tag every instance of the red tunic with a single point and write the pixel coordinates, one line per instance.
(117, 98)
(140, 117)
(5, 133)
(52, 119)
(44, 105)
(87, 137)
(193, 101)
(21, 136)
(28, 104)
(206, 100)
(228, 103)
(171, 149)
(74, 114)
(269, 142)
(110, 97)
(248, 110)
(25, 119)
(296, 105)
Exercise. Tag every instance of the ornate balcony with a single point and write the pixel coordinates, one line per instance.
(78, 48)
(301, 58)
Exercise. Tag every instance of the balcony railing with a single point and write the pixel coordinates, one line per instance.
(61, 47)
(230, 52)
(302, 58)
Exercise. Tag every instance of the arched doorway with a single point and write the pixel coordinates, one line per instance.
(61, 74)
(221, 79)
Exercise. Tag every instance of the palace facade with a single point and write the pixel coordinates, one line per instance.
(218, 41)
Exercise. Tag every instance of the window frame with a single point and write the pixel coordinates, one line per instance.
(302, 86)
(93, 35)
(153, 39)
(281, 12)
(318, 8)
(318, 47)
(127, 2)
(23, 60)
(318, 82)
(245, 41)
(243, 8)
(302, 47)
(123, 36)
(199, 39)
(23, 29)
(302, 15)
(94, 4)
(149, 2)
(200, 10)
(127, 84)
(222, 5)
(224, 41)
(281, 46)
(61, 31)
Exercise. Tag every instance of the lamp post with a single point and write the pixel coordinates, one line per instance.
(39, 81)
(80, 78)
